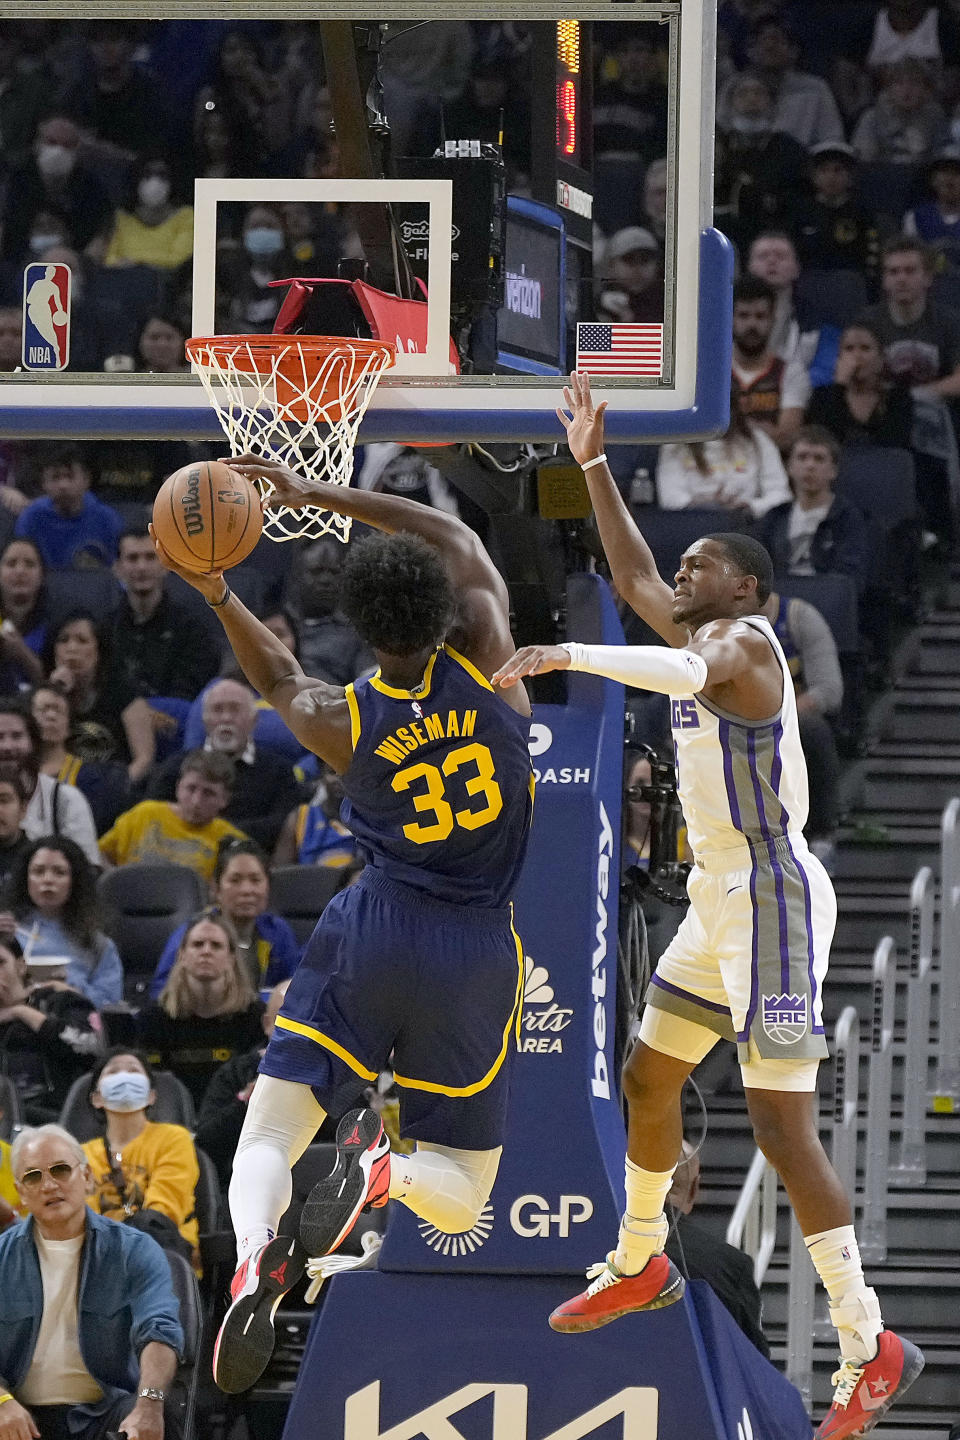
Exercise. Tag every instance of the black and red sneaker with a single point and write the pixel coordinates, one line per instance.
(361, 1177)
(246, 1339)
(866, 1390)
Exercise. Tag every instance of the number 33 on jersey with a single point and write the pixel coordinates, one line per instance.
(440, 790)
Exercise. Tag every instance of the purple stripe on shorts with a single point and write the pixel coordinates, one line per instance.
(723, 732)
(808, 921)
(744, 1034)
(688, 995)
(774, 865)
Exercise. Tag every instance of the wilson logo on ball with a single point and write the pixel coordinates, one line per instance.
(192, 514)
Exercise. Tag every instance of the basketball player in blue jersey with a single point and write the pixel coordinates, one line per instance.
(749, 959)
(416, 966)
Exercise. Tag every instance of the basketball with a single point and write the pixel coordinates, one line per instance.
(207, 517)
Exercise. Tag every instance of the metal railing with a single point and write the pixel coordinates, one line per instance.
(947, 1084)
(753, 1225)
(801, 1294)
(910, 1167)
(876, 1177)
(846, 1096)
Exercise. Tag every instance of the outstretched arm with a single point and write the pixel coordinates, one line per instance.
(728, 662)
(631, 560)
(483, 603)
(316, 713)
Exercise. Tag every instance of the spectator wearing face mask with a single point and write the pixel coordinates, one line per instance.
(142, 1169)
(56, 178)
(252, 306)
(49, 228)
(759, 168)
(805, 107)
(151, 228)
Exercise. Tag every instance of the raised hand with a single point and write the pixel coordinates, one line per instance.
(584, 425)
(532, 660)
(289, 491)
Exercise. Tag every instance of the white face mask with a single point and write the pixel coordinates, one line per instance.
(749, 124)
(263, 240)
(39, 243)
(124, 1091)
(153, 190)
(55, 161)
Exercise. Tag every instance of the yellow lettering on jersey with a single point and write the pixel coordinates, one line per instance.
(430, 727)
(390, 750)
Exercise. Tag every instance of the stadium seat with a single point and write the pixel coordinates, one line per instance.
(880, 481)
(300, 894)
(669, 532)
(835, 596)
(143, 905)
(829, 297)
(174, 1106)
(9, 1108)
(618, 192)
(187, 1378)
(889, 189)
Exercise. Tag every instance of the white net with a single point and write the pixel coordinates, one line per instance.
(298, 399)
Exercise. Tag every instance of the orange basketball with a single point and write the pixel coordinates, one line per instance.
(207, 517)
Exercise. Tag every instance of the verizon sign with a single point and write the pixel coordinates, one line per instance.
(637, 1405)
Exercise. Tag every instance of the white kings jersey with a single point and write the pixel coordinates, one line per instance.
(740, 780)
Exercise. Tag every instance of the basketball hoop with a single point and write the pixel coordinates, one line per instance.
(298, 399)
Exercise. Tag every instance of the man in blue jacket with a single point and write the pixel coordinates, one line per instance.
(90, 1335)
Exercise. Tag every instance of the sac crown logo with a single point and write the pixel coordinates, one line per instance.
(785, 1017)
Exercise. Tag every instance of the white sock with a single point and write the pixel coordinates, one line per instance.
(445, 1186)
(854, 1307)
(644, 1228)
(282, 1119)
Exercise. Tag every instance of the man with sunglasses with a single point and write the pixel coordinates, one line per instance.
(89, 1331)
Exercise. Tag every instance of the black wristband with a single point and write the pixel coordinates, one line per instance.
(219, 604)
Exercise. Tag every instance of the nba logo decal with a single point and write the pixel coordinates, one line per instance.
(46, 317)
(785, 1017)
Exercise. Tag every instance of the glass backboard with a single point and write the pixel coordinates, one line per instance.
(461, 159)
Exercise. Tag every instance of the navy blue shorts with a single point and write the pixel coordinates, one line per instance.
(393, 979)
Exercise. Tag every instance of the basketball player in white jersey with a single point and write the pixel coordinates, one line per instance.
(749, 959)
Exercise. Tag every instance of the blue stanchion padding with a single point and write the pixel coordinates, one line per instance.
(557, 1201)
(445, 1357)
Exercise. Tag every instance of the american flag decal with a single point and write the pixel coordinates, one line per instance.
(620, 349)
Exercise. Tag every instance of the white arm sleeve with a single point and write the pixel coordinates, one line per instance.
(645, 667)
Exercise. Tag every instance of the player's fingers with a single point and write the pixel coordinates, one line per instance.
(564, 418)
(600, 411)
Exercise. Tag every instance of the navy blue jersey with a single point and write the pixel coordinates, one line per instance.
(440, 789)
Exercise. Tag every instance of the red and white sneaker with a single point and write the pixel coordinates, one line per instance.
(246, 1339)
(864, 1393)
(361, 1177)
(613, 1294)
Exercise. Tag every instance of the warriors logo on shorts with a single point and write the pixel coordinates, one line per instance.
(785, 1017)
